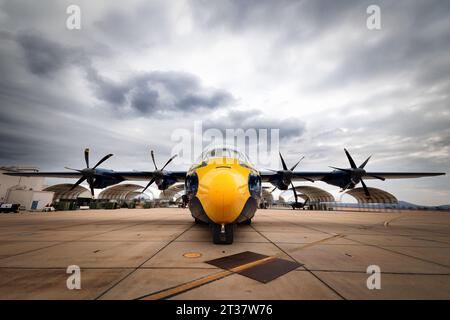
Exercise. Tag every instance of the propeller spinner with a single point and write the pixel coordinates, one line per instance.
(285, 174)
(158, 174)
(88, 173)
(357, 173)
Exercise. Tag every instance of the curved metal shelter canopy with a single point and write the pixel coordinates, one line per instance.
(172, 191)
(267, 195)
(314, 194)
(376, 196)
(121, 192)
(63, 192)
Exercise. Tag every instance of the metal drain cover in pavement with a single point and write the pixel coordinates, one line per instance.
(256, 266)
(270, 270)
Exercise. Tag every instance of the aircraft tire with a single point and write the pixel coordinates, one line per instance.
(223, 238)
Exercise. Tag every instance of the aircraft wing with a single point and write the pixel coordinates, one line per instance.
(147, 175)
(118, 175)
(66, 174)
(401, 175)
(267, 176)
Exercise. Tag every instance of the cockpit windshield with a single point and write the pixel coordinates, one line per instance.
(224, 152)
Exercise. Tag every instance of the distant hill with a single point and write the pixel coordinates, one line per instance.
(404, 204)
(401, 205)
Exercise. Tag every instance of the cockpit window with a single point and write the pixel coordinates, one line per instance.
(227, 152)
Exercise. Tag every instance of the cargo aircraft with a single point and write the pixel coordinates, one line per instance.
(223, 188)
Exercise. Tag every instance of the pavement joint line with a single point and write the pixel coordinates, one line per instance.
(111, 268)
(387, 222)
(443, 242)
(422, 230)
(303, 265)
(318, 242)
(87, 223)
(136, 268)
(374, 225)
(62, 242)
(303, 226)
(187, 286)
(401, 253)
(384, 272)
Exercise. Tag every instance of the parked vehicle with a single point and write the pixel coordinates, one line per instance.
(48, 209)
(9, 207)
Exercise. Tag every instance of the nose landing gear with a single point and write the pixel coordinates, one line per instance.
(222, 234)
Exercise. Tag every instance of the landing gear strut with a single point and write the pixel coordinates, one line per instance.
(222, 234)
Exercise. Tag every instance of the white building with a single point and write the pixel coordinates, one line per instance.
(27, 191)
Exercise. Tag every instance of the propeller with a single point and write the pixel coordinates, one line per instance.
(297, 204)
(158, 174)
(285, 174)
(88, 173)
(295, 193)
(357, 173)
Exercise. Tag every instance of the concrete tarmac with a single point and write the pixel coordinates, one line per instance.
(130, 254)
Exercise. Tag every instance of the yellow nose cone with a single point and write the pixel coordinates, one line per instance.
(223, 193)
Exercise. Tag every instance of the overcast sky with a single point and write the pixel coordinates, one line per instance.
(138, 70)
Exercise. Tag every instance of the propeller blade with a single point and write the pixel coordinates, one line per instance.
(86, 157)
(350, 159)
(295, 165)
(153, 158)
(377, 177)
(169, 161)
(282, 162)
(78, 183)
(91, 185)
(346, 187)
(306, 201)
(72, 169)
(273, 189)
(364, 163)
(103, 160)
(149, 184)
(366, 191)
(295, 193)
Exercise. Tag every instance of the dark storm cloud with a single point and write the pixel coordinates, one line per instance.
(42, 55)
(159, 93)
(154, 93)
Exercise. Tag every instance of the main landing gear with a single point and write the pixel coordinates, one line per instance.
(222, 234)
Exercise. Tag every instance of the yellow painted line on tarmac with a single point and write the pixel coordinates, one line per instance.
(308, 245)
(207, 279)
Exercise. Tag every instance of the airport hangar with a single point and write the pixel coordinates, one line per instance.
(33, 195)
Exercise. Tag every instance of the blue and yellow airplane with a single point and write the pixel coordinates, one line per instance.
(223, 188)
